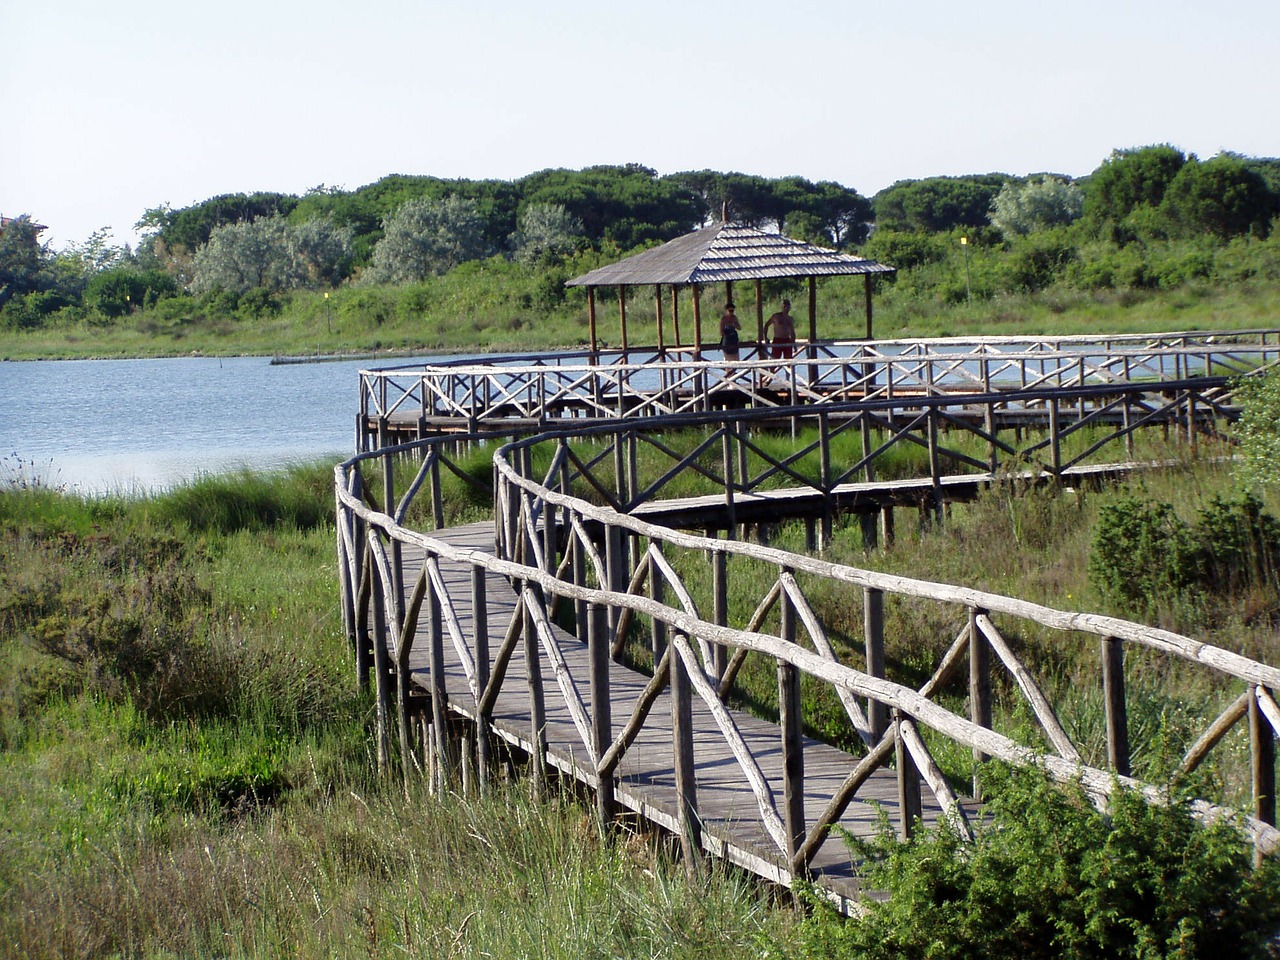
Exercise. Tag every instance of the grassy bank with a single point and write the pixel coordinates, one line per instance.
(497, 305)
(186, 768)
(185, 765)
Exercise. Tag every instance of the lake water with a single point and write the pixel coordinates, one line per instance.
(104, 426)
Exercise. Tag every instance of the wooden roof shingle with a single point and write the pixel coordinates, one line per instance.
(727, 251)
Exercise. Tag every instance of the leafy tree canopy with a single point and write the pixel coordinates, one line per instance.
(1221, 197)
(271, 254)
(1130, 179)
(1036, 204)
(26, 265)
(190, 228)
(428, 237)
(938, 203)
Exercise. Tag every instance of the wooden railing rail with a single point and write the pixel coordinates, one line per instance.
(549, 547)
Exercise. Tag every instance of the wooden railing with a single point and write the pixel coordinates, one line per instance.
(644, 382)
(614, 570)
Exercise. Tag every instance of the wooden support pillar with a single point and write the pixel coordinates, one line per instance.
(537, 701)
(790, 721)
(382, 674)
(813, 329)
(601, 713)
(909, 806)
(866, 277)
(1263, 762)
(979, 687)
(622, 319)
(657, 585)
(439, 692)
(675, 314)
(591, 319)
(873, 634)
(697, 323)
(657, 302)
(480, 627)
(760, 319)
(1117, 712)
(683, 762)
(719, 607)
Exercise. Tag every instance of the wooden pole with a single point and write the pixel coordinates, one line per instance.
(867, 291)
(601, 711)
(675, 314)
(1263, 762)
(683, 762)
(760, 319)
(591, 318)
(873, 633)
(480, 628)
(813, 327)
(1117, 713)
(979, 687)
(789, 719)
(657, 300)
(909, 809)
(622, 317)
(697, 323)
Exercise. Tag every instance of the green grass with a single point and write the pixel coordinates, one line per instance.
(495, 305)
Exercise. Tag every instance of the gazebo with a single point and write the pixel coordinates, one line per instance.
(722, 253)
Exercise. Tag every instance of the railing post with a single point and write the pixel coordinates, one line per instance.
(1113, 693)
(979, 688)
(909, 806)
(446, 768)
(683, 761)
(601, 712)
(789, 719)
(480, 628)
(719, 608)
(657, 586)
(537, 702)
(381, 669)
(613, 563)
(873, 633)
(824, 468)
(1263, 761)
(1055, 442)
(728, 458)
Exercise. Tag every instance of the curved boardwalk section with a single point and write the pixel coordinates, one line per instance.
(588, 628)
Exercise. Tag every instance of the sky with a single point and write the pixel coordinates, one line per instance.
(113, 109)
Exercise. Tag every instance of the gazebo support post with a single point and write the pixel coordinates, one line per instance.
(867, 287)
(622, 317)
(675, 314)
(657, 300)
(697, 323)
(759, 318)
(813, 328)
(591, 319)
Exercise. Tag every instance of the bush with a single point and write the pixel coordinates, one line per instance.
(1050, 876)
(1145, 557)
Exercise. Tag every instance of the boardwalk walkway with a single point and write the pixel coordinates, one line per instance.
(731, 821)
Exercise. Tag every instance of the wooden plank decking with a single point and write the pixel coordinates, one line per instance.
(731, 822)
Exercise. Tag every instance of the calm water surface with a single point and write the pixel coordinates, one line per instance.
(102, 426)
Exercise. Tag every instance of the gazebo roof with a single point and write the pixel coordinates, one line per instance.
(727, 251)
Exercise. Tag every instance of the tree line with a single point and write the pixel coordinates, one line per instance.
(1025, 232)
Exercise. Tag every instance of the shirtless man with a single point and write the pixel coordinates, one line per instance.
(784, 332)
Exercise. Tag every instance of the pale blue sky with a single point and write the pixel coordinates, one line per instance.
(113, 108)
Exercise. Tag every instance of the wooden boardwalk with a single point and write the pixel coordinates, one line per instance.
(731, 822)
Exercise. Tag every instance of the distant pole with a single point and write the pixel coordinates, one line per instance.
(328, 312)
(968, 293)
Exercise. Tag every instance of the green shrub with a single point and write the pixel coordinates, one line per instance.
(1143, 554)
(1050, 876)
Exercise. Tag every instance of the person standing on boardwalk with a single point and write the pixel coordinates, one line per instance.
(783, 326)
(730, 332)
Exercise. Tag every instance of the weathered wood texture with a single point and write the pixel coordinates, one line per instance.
(645, 780)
